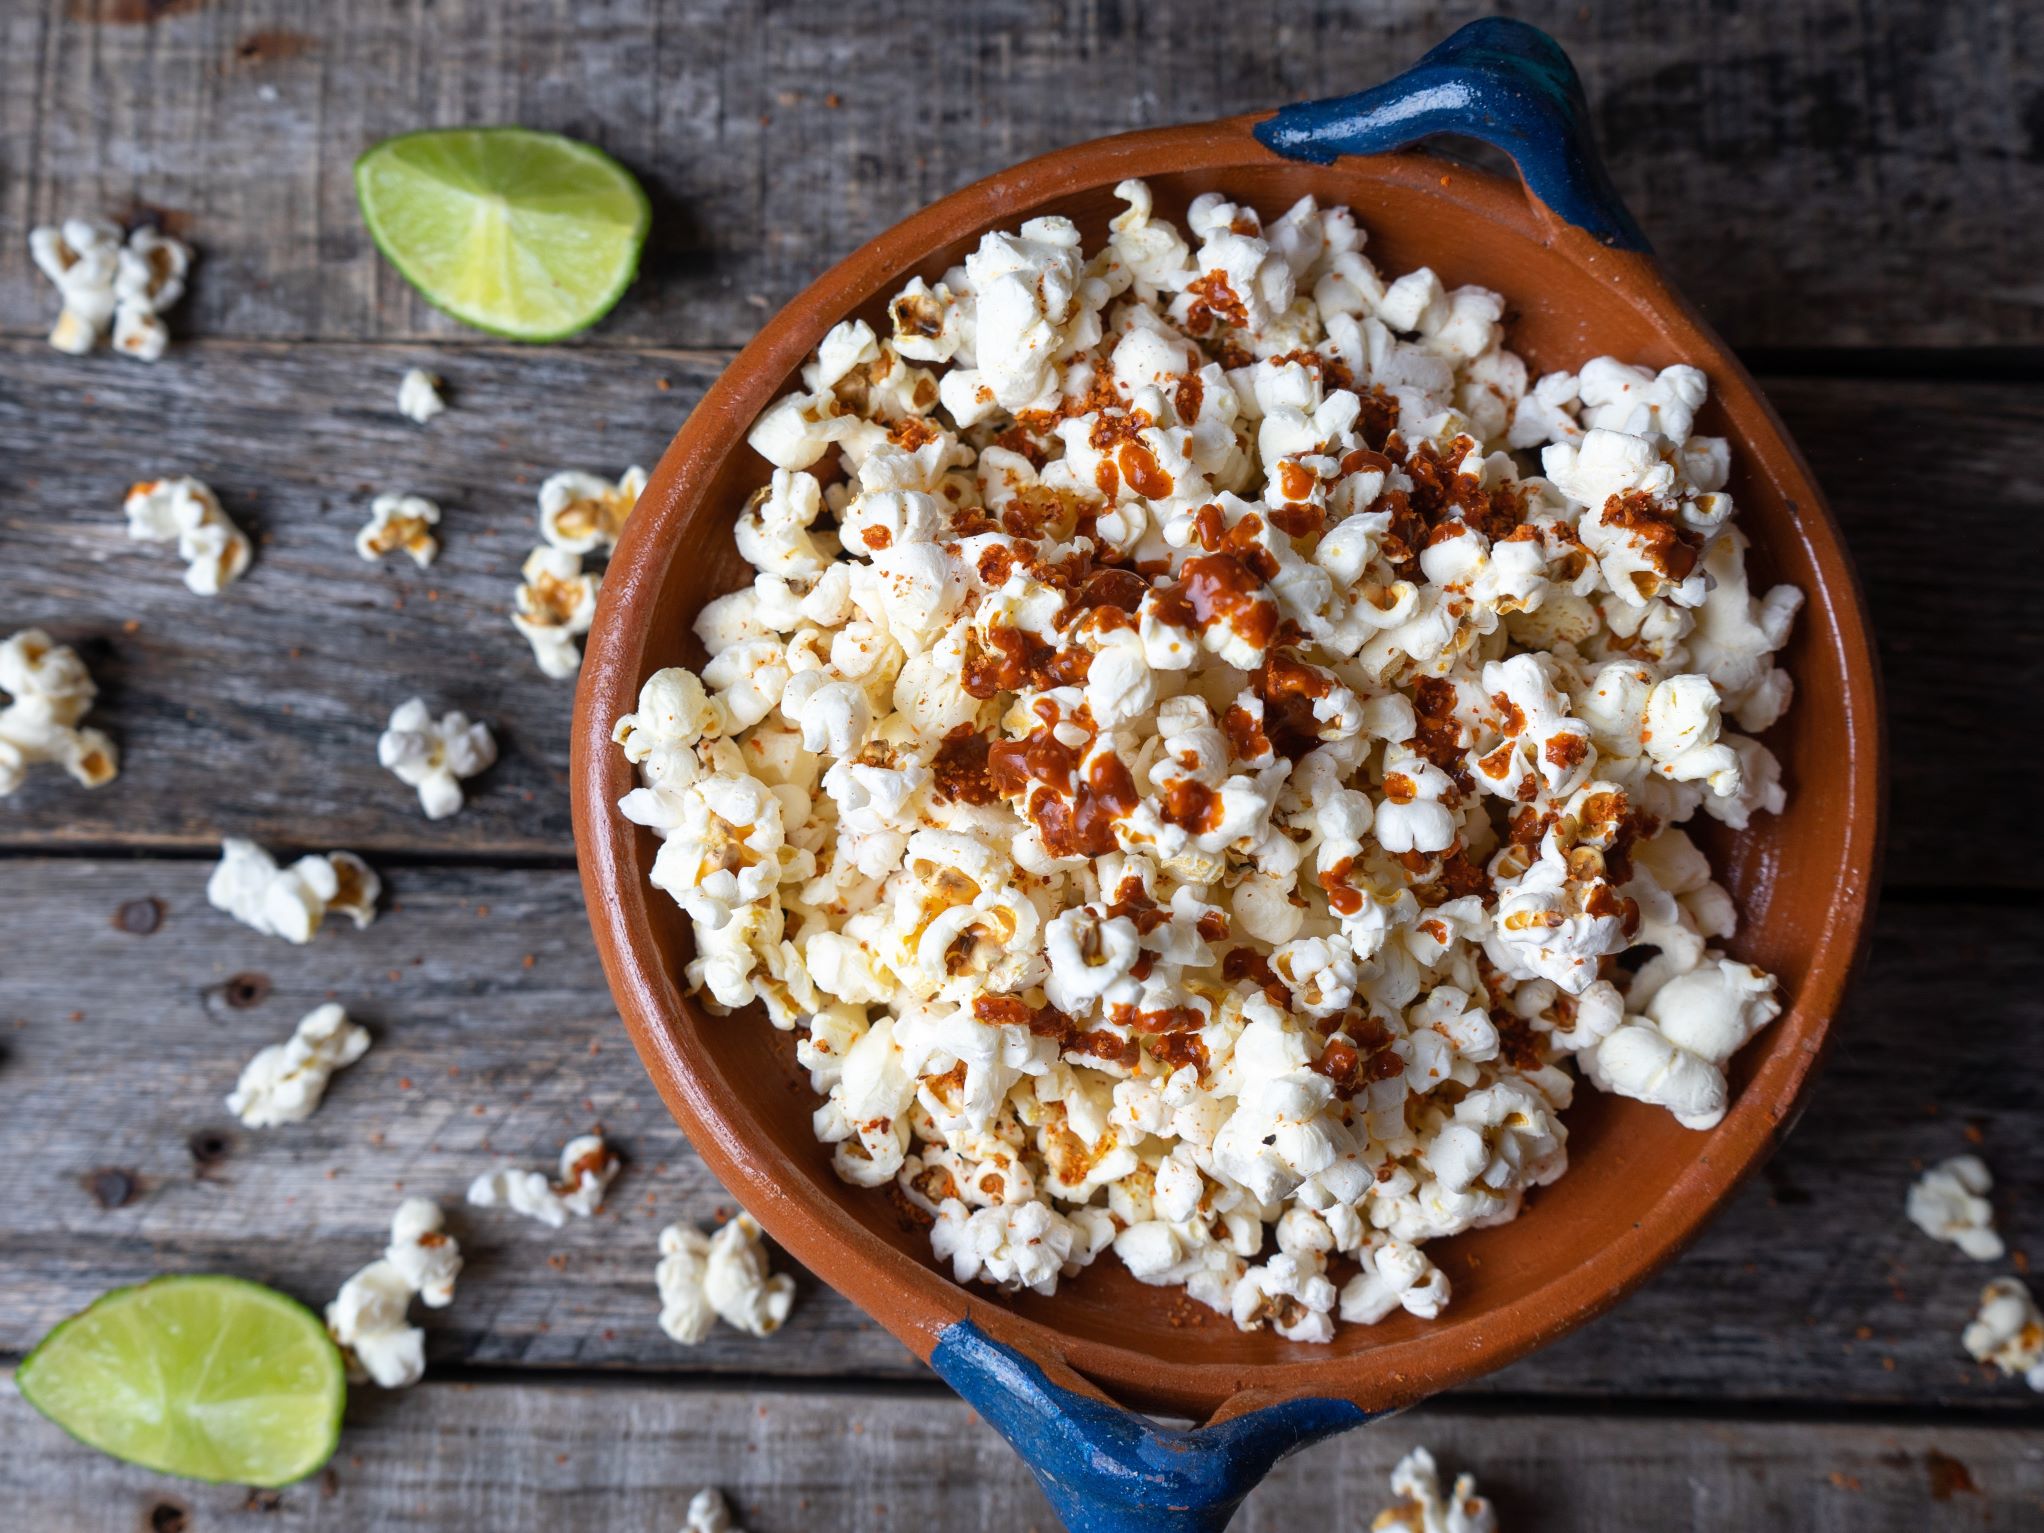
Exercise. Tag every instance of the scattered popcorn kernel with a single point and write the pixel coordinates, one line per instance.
(284, 1082)
(367, 1322)
(49, 692)
(81, 257)
(554, 605)
(587, 1170)
(2008, 1331)
(418, 396)
(434, 755)
(1423, 1509)
(1201, 755)
(686, 1313)
(705, 1278)
(215, 551)
(1949, 1203)
(400, 522)
(424, 1254)
(291, 902)
(582, 513)
(368, 1318)
(150, 278)
(707, 1513)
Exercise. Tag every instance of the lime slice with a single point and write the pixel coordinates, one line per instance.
(527, 235)
(212, 1378)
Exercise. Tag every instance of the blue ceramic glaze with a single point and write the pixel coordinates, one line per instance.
(1109, 1470)
(1497, 80)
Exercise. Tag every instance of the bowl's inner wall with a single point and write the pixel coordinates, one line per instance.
(1625, 1157)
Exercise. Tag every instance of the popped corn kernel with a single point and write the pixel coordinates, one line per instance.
(1949, 1203)
(1182, 772)
(368, 1317)
(292, 902)
(2008, 1331)
(434, 755)
(708, 1513)
(418, 396)
(587, 1169)
(49, 692)
(1422, 1507)
(285, 1082)
(400, 522)
(215, 551)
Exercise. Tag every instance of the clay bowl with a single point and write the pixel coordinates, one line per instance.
(1580, 284)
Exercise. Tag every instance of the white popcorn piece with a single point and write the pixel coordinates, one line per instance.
(737, 1283)
(587, 1169)
(418, 396)
(1949, 1203)
(81, 257)
(423, 1253)
(400, 522)
(149, 278)
(434, 755)
(553, 606)
(1178, 776)
(292, 902)
(49, 692)
(583, 513)
(367, 1322)
(215, 551)
(2008, 1331)
(285, 1082)
(708, 1513)
(686, 1313)
(1422, 1507)
(368, 1317)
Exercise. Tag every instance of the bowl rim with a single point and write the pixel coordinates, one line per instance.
(912, 1299)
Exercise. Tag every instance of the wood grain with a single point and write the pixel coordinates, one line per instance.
(1805, 169)
(592, 1458)
(280, 687)
(1811, 1287)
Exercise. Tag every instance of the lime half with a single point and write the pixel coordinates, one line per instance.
(527, 235)
(212, 1378)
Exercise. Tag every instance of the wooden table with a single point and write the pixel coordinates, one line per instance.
(1851, 191)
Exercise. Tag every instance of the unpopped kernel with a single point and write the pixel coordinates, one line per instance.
(1204, 727)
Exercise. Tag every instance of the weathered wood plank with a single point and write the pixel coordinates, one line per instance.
(1812, 1287)
(1802, 169)
(280, 686)
(592, 1457)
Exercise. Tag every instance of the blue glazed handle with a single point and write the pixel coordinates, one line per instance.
(1498, 80)
(1109, 1470)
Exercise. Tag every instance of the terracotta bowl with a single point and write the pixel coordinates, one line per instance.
(1579, 284)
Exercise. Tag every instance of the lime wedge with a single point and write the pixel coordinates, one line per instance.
(212, 1378)
(526, 235)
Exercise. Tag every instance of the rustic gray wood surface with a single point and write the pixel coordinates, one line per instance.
(1850, 191)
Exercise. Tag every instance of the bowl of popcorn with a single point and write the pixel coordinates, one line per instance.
(1235, 774)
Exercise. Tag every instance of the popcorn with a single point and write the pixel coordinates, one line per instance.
(1949, 1203)
(367, 1318)
(2008, 1331)
(418, 396)
(582, 513)
(367, 1322)
(400, 522)
(555, 601)
(291, 902)
(707, 1513)
(102, 282)
(50, 692)
(736, 1282)
(1143, 866)
(424, 1254)
(587, 1169)
(1423, 1509)
(215, 551)
(553, 606)
(434, 755)
(284, 1082)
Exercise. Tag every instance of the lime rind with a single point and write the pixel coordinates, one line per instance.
(464, 215)
(260, 1405)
